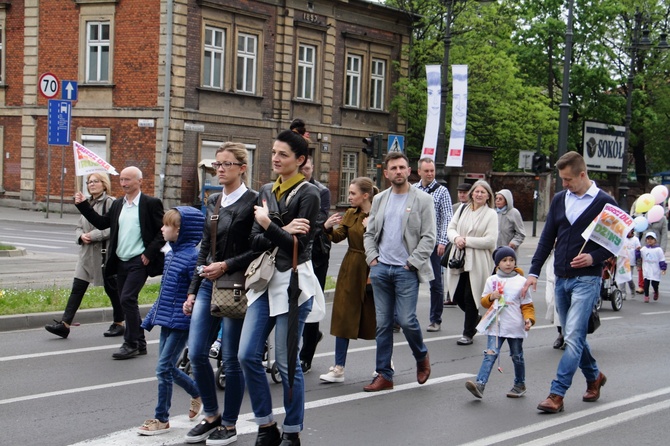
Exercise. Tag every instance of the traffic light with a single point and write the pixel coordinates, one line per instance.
(370, 147)
(539, 163)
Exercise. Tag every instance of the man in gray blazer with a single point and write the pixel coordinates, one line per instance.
(399, 240)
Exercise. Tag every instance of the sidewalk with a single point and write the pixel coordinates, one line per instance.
(38, 269)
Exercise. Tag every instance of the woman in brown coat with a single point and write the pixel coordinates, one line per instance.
(353, 307)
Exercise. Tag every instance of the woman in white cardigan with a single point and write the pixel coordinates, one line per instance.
(474, 229)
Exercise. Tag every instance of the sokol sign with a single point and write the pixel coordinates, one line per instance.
(604, 146)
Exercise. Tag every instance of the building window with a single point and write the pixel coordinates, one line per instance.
(306, 55)
(353, 87)
(348, 171)
(97, 52)
(213, 71)
(377, 78)
(247, 45)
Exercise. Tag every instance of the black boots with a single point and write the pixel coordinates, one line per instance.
(290, 439)
(269, 436)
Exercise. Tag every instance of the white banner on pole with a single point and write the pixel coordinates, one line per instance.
(87, 162)
(459, 112)
(434, 78)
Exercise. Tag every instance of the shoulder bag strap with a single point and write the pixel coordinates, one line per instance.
(213, 222)
(103, 250)
(295, 254)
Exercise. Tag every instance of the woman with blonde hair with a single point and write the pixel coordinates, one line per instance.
(353, 308)
(474, 229)
(89, 270)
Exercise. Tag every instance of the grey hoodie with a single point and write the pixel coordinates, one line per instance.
(510, 223)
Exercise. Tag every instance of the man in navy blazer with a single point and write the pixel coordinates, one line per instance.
(578, 270)
(134, 250)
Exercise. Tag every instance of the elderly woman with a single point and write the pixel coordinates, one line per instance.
(474, 228)
(89, 266)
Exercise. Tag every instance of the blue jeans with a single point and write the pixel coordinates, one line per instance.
(493, 345)
(575, 298)
(436, 289)
(257, 327)
(204, 328)
(170, 346)
(341, 347)
(396, 289)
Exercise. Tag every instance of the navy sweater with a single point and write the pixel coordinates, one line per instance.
(569, 239)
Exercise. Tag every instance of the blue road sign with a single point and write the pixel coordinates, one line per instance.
(60, 120)
(69, 90)
(396, 143)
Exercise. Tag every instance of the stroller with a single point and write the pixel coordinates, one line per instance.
(608, 288)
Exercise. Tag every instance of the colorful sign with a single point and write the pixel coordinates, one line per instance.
(86, 162)
(610, 228)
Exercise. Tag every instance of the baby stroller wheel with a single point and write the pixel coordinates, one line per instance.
(617, 300)
(220, 378)
(599, 303)
(274, 373)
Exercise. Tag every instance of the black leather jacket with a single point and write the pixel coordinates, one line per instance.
(232, 236)
(304, 204)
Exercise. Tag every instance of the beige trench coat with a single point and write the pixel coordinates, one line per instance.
(89, 265)
(480, 229)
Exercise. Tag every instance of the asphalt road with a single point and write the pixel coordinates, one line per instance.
(72, 392)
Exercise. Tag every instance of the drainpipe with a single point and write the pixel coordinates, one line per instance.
(167, 96)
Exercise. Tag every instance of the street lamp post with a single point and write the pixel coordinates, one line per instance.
(638, 43)
(564, 106)
(440, 156)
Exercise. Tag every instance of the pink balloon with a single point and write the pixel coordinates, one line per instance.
(655, 213)
(660, 193)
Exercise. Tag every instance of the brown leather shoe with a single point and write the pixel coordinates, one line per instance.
(553, 404)
(423, 370)
(378, 383)
(593, 388)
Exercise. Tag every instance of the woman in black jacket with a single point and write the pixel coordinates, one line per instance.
(233, 253)
(287, 207)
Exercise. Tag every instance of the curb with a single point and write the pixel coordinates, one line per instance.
(89, 316)
(18, 252)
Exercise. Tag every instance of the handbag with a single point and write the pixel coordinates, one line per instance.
(594, 320)
(260, 270)
(229, 298)
(444, 261)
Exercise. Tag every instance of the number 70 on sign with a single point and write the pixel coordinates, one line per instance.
(49, 85)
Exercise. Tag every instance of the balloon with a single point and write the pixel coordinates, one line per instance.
(660, 193)
(641, 223)
(644, 203)
(655, 213)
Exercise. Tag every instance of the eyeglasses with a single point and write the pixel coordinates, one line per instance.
(226, 165)
(89, 182)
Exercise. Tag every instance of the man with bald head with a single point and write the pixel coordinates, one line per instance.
(134, 250)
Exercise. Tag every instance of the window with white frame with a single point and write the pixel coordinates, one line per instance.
(377, 78)
(97, 144)
(306, 69)
(348, 171)
(247, 52)
(97, 51)
(353, 85)
(213, 58)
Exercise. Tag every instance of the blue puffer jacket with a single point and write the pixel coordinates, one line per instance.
(177, 273)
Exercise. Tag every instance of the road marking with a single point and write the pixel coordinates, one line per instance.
(654, 313)
(23, 245)
(594, 426)
(245, 425)
(66, 352)
(35, 239)
(559, 419)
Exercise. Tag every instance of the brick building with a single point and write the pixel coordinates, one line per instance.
(240, 71)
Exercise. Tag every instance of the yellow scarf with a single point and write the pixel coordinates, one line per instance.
(279, 188)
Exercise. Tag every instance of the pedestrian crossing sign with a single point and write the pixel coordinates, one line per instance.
(396, 143)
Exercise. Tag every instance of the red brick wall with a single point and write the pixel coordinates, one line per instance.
(12, 145)
(13, 47)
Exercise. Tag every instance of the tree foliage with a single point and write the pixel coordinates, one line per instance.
(514, 50)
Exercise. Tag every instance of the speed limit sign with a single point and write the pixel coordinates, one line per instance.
(49, 85)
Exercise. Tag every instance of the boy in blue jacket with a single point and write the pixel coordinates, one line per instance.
(182, 230)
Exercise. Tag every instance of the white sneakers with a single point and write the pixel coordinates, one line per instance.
(335, 375)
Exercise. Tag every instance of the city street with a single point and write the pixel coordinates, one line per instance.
(51, 386)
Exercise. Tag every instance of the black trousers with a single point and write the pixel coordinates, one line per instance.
(465, 301)
(77, 293)
(130, 278)
(311, 333)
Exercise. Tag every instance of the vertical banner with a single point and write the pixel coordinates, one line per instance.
(434, 78)
(459, 113)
